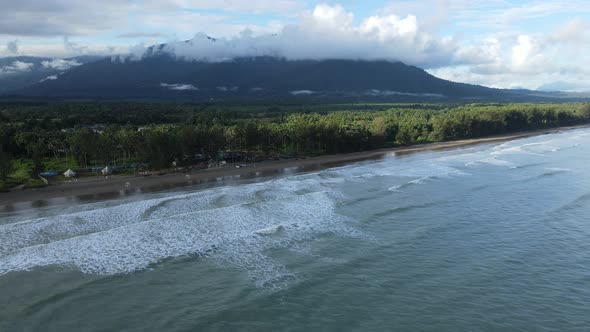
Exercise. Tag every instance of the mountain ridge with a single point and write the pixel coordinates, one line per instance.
(165, 76)
(19, 72)
(159, 74)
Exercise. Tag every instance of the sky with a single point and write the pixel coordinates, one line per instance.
(533, 44)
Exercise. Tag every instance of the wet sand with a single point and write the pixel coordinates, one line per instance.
(91, 189)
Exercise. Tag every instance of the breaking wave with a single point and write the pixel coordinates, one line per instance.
(548, 173)
(229, 224)
(406, 208)
(231, 230)
(582, 201)
(424, 179)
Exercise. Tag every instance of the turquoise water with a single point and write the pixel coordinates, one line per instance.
(492, 237)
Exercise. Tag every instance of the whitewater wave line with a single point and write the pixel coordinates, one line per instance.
(186, 214)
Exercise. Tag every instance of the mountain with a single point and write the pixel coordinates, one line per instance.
(22, 71)
(163, 76)
(162, 72)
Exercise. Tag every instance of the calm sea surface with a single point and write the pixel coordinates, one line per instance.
(493, 237)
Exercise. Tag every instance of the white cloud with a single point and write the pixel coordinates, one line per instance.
(55, 48)
(500, 43)
(327, 32)
(17, 67)
(332, 16)
(49, 78)
(432, 13)
(302, 92)
(526, 64)
(60, 64)
(385, 93)
(387, 27)
(532, 60)
(489, 51)
(573, 31)
(12, 47)
(527, 56)
(179, 87)
(503, 58)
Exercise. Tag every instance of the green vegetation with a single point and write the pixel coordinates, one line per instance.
(38, 137)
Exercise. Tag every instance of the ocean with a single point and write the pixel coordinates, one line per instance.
(493, 237)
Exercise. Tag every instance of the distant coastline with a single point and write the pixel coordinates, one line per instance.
(91, 189)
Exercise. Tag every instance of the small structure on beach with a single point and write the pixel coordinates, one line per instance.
(49, 174)
(107, 171)
(69, 173)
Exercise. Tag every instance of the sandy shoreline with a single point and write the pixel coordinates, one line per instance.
(117, 186)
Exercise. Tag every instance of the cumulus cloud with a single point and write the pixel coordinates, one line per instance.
(503, 59)
(485, 53)
(535, 60)
(60, 64)
(506, 43)
(527, 55)
(17, 67)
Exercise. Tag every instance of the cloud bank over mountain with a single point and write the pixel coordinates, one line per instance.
(530, 43)
(328, 32)
(16, 67)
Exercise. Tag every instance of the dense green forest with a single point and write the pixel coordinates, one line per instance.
(37, 137)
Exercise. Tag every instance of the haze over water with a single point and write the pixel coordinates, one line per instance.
(493, 237)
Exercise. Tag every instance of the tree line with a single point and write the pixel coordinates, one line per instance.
(41, 133)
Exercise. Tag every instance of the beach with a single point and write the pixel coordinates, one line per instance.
(97, 188)
(490, 236)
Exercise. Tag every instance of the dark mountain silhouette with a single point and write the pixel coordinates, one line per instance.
(162, 76)
(33, 70)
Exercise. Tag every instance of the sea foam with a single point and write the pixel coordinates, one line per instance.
(228, 225)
